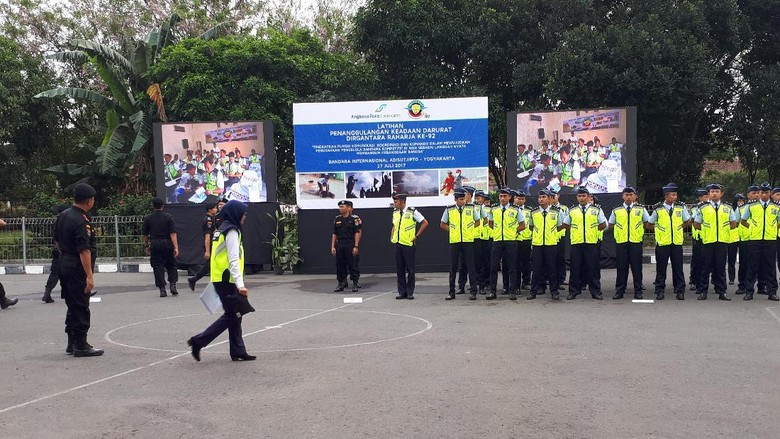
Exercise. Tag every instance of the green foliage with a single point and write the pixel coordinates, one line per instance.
(126, 205)
(285, 251)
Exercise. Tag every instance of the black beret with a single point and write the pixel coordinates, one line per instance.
(401, 197)
(345, 203)
(83, 191)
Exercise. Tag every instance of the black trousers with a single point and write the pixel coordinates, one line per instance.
(230, 321)
(54, 273)
(356, 267)
(562, 244)
(205, 270)
(664, 254)
(732, 260)
(524, 263)
(762, 265)
(545, 266)
(695, 263)
(463, 252)
(499, 250)
(73, 282)
(404, 269)
(345, 261)
(713, 264)
(744, 261)
(584, 268)
(482, 261)
(628, 255)
(161, 259)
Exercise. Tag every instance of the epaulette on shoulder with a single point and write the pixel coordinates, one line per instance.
(338, 216)
(451, 206)
(555, 208)
(574, 206)
(777, 203)
(411, 208)
(597, 205)
(751, 202)
(354, 216)
(535, 209)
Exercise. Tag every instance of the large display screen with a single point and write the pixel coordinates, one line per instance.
(563, 150)
(201, 162)
(366, 151)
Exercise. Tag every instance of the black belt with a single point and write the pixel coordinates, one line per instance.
(345, 240)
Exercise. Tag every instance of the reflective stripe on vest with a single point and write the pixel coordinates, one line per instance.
(584, 230)
(629, 227)
(545, 230)
(715, 226)
(669, 227)
(404, 228)
(219, 257)
(763, 222)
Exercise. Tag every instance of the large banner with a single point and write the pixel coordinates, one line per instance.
(365, 151)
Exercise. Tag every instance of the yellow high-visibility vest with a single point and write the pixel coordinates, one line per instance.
(584, 226)
(505, 222)
(461, 223)
(763, 222)
(715, 226)
(669, 225)
(545, 231)
(404, 227)
(219, 256)
(629, 227)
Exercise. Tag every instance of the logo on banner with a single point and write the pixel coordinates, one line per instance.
(415, 109)
(380, 108)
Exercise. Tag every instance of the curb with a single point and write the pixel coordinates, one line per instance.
(99, 268)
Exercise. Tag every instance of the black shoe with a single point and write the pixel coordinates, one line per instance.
(773, 298)
(450, 296)
(409, 297)
(563, 282)
(561, 288)
(748, 296)
(357, 285)
(473, 296)
(174, 290)
(571, 296)
(692, 287)
(195, 349)
(555, 295)
(339, 288)
(731, 282)
(163, 293)
(680, 296)
(512, 296)
(638, 296)
(525, 287)
(461, 290)
(69, 347)
(504, 292)
(491, 296)
(659, 296)
(642, 287)
(617, 296)
(481, 291)
(191, 281)
(763, 292)
(400, 297)
(723, 296)
(87, 351)
(597, 296)
(702, 296)
(6, 302)
(531, 296)
(245, 357)
(739, 292)
(47, 297)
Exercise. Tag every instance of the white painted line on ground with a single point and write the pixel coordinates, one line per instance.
(353, 300)
(773, 313)
(127, 372)
(95, 299)
(643, 301)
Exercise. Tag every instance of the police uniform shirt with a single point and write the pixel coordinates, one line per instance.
(559, 221)
(417, 216)
(685, 214)
(208, 225)
(73, 232)
(445, 217)
(601, 217)
(746, 211)
(159, 226)
(520, 214)
(345, 227)
(645, 215)
(732, 213)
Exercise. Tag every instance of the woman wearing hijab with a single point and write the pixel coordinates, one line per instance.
(227, 275)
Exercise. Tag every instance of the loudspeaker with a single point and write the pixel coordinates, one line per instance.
(185, 143)
(541, 133)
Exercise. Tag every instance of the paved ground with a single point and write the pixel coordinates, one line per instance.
(392, 369)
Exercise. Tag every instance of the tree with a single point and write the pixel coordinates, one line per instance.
(258, 78)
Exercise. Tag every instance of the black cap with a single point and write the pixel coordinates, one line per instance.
(753, 188)
(479, 193)
(401, 197)
(157, 202)
(670, 187)
(583, 190)
(469, 189)
(719, 187)
(547, 192)
(83, 191)
(505, 190)
(210, 206)
(345, 203)
(628, 190)
(520, 194)
(701, 192)
(486, 196)
(775, 190)
(459, 193)
(739, 197)
(765, 187)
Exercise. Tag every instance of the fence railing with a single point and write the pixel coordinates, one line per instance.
(29, 240)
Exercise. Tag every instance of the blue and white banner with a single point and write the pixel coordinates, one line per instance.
(365, 151)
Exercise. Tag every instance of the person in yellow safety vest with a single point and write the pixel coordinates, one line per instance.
(462, 268)
(714, 220)
(482, 244)
(744, 237)
(703, 197)
(562, 242)
(627, 223)
(404, 235)
(585, 221)
(459, 221)
(213, 180)
(776, 199)
(763, 218)
(545, 222)
(523, 246)
(506, 221)
(668, 221)
(731, 268)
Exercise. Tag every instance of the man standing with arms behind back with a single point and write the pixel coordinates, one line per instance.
(628, 224)
(404, 235)
(75, 240)
(162, 246)
(668, 221)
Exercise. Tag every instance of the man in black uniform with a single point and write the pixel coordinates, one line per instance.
(344, 245)
(162, 246)
(356, 262)
(74, 238)
(54, 271)
(4, 301)
(208, 227)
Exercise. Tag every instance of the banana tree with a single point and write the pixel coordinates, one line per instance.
(131, 103)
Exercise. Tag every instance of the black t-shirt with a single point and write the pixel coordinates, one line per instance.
(208, 225)
(73, 232)
(345, 227)
(159, 226)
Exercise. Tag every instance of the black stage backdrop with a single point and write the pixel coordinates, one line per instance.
(256, 233)
(377, 253)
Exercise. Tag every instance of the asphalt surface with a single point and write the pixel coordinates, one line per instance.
(392, 369)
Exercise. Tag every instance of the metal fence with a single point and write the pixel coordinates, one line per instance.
(29, 240)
